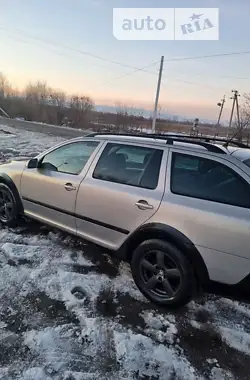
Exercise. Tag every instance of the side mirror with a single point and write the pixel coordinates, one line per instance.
(33, 163)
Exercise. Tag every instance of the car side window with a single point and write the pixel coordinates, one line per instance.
(207, 179)
(70, 158)
(130, 165)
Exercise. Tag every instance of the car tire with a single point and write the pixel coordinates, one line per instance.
(9, 211)
(163, 274)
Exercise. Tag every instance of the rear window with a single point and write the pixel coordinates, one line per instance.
(129, 165)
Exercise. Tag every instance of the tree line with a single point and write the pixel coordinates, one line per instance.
(40, 102)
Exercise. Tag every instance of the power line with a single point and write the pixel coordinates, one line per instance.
(214, 76)
(194, 84)
(62, 54)
(132, 72)
(208, 56)
(143, 69)
(104, 83)
(165, 77)
(135, 69)
(121, 63)
(82, 52)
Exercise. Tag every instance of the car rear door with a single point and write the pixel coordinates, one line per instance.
(207, 198)
(49, 191)
(122, 190)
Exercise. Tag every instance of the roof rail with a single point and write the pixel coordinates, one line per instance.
(168, 138)
(212, 139)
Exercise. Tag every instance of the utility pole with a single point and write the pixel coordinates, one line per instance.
(221, 105)
(238, 108)
(232, 112)
(157, 95)
(235, 102)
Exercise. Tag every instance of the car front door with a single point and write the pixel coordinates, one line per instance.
(123, 189)
(49, 191)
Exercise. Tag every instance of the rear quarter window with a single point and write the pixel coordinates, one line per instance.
(247, 162)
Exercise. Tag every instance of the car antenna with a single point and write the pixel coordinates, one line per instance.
(231, 139)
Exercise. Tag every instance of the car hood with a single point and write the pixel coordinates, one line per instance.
(13, 165)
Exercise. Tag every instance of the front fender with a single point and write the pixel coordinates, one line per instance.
(4, 178)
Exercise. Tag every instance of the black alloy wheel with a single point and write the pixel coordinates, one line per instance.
(8, 206)
(162, 273)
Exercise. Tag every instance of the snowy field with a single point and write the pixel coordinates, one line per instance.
(68, 311)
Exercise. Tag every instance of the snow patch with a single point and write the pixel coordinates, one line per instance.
(125, 284)
(137, 354)
(162, 329)
(19, 252)
(236, 306)
(195, 324)
(220, 374)
(35, 373)
(240, 340)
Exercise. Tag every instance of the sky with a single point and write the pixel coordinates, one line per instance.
(70, 45)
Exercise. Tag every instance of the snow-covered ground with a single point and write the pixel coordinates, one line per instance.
(68, 311)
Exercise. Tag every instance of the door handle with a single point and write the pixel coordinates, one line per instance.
(144, 205)
(69, 187)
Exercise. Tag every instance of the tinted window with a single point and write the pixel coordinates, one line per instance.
(208, 180)
(247, 162)
(188, 163)
(130, 165)
(70, 158)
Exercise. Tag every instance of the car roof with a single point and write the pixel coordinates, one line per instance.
(240, 153)
(189, 145)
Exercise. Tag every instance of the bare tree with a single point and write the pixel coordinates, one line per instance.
(241, 128)
(122, 117)
(4, 85)
(160, 121)
(12, 92)
(37, 93)
(245, 111)
(82, 108)
(132, 119)
(58, 98)
(140, 121)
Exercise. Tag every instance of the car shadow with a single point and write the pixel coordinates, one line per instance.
(100, 258)
(234, 292)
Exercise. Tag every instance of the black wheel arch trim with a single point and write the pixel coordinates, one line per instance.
(4, 178)
(172, 235)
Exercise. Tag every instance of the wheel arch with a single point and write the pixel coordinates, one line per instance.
(4, 178)
(172, 235)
